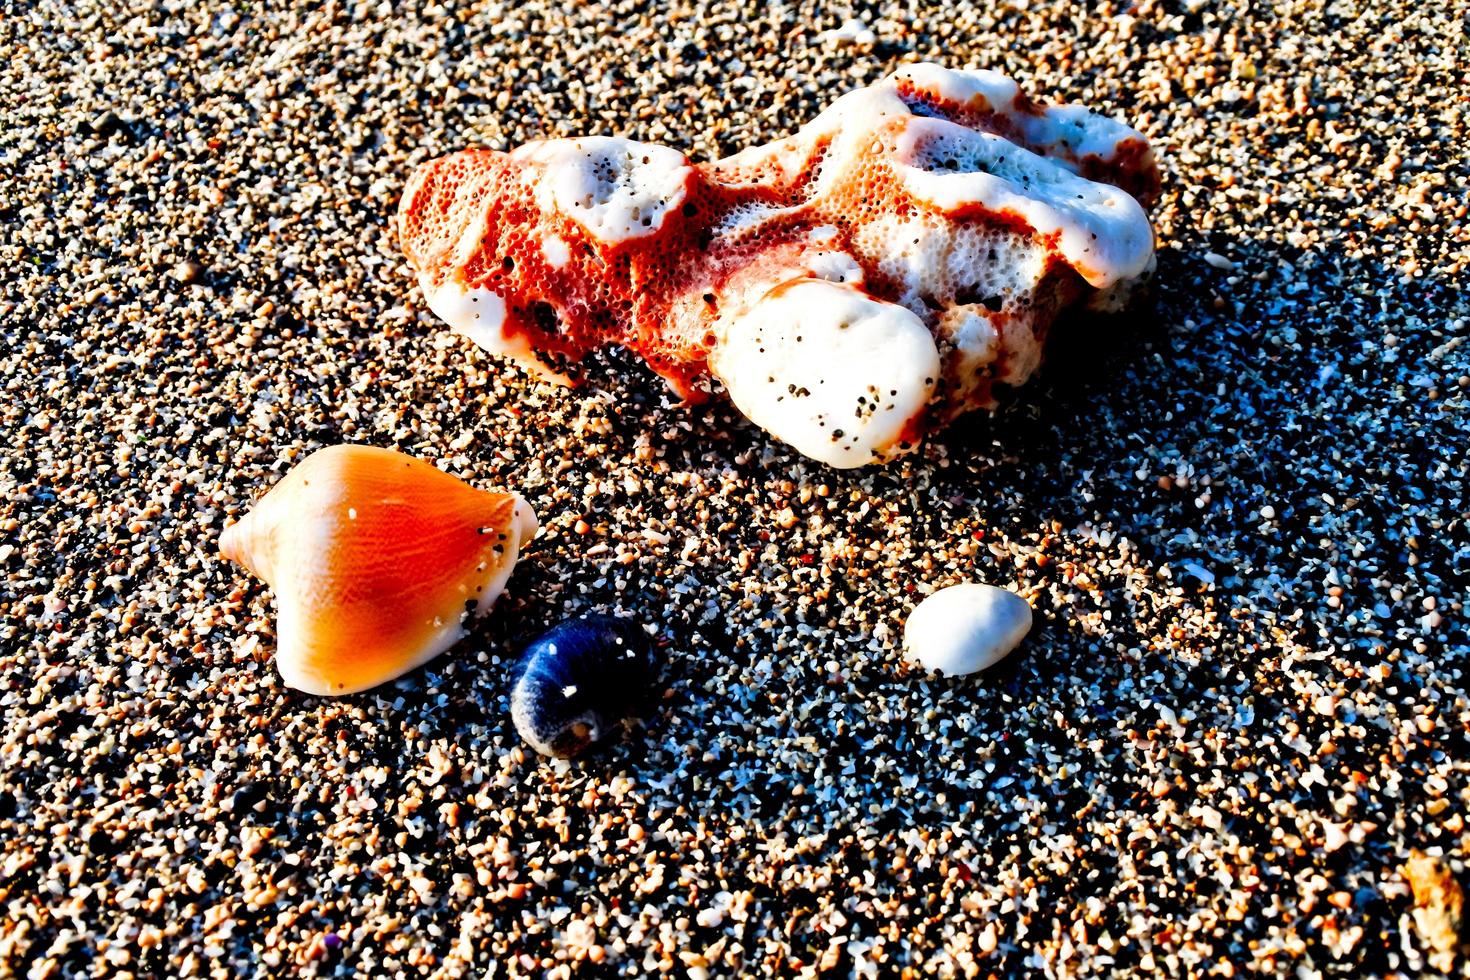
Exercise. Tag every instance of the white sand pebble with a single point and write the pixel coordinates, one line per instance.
(853, 31)
(965, 628)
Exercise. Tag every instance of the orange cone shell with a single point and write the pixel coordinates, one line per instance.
(376, 559)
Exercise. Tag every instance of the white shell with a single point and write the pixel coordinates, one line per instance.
(965, 628)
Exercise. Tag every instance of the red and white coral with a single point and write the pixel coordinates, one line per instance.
(851, 286)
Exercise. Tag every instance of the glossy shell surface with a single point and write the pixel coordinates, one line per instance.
(579, 681)
(965, 628)
(376, 560)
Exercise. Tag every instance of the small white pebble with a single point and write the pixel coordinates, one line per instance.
(187, 271)
(1199, 571)
(965, 628)
(853, 31)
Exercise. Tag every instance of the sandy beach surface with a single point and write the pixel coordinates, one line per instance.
(1234, 743)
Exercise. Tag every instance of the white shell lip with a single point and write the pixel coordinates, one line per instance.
(520, 712)
(522, 529)
(966, 628)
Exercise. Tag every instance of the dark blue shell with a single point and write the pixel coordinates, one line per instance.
(579, 681)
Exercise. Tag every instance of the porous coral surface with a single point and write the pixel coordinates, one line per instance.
(854, 284)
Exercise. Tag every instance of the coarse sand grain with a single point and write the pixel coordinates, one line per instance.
(1239, 513)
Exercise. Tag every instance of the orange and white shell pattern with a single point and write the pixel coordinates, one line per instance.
(376, 560)
(852, 286)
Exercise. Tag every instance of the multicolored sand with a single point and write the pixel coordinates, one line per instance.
(1240, 515)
